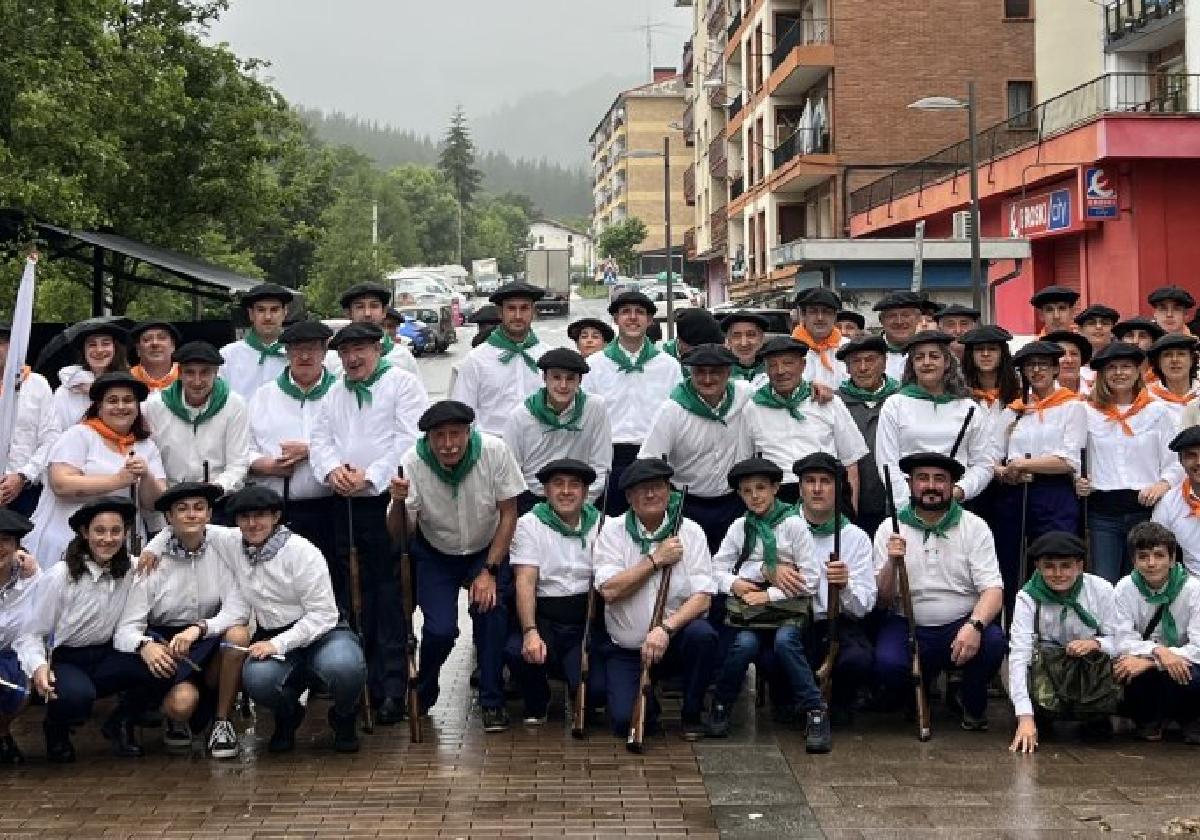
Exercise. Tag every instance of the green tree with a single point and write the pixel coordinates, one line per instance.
(620, 240)
(430, 198)
(457, 160)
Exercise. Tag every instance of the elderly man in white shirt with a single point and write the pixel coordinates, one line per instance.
(900, 317)
(367, 303)
(366, 422)
(258, 357)
(34, 429)
(460, 488)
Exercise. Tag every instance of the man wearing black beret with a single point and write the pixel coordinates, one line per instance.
(819, 331)
(744, 334)
(154, 343)
(1096, 325)
(258, 357)
(366, 303)
(899, 315)
(1171, 306)
(1056, 305)
(863, 392)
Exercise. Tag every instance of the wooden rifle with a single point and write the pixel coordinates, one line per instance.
(924, 728)
(1083, 473)
(1023, 564)
(135, 537)
(356, 611)
(637, 721)
(833, 599)
(410, 643)
(579, 706)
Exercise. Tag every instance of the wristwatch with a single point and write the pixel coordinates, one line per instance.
(977, 624)
(492, 569)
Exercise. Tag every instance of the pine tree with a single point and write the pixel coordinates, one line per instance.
(457, 160)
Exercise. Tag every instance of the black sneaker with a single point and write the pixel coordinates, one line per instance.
(10, 753)
(345, 731)
(974, 724)
(719, 720)
(122, 732)
(59, 749)
(223, 740)
(818, 735)
(283, 739)
(390, 712)
(495, 720)
(693, 727)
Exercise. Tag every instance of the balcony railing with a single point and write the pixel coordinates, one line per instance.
(715, 17)
(801, 33)
(735, 107)
(1124, 17)
(689, 185)
(686, 63)
(737, 186)
(689, 123)
(717, 150)
(718, 223)
(803, 141)
(1112, 93)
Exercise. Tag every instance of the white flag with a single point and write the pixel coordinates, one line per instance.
(18, 346)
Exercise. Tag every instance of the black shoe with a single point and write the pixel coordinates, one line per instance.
(495, 720)
(283, 739)
(719, 720)
(345, 731)
(59, 749)
(390, 712)
(818, 736)
(10, 753)
(122, 732)
(693, 727)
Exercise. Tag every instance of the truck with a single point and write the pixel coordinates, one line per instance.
(485, 275)
(550, 269)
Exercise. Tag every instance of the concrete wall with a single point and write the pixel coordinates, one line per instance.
(1069, 45)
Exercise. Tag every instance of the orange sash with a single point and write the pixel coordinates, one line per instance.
(1170, 396)
(25, 371)
(987, 395)
(831, 343)
(1115, 416)
(139, 373)
(124, 443)
(1189, 498)
(1060, 397)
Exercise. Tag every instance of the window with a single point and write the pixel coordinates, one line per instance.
(569, 238)
(1017, 8)
(1020, 101)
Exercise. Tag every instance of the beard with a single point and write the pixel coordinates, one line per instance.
(927, 502)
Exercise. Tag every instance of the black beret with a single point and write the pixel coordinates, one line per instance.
(987, 334)
(1117, 350)
(753, 467)
(83, 517)
(446, 411)
(1169, 341)
(633, 297)
(863, 344)
(1044, 349)
(305, 331)
(818, 462)
(782, 344)
(105, 382)
(699, 329)
(577, 327)
(1138, 322)
(1054, 294)
(1097, 310)
(654, 331)
(253, 497)
(200, 352)
(898, 300)
(1166, 293)
(267, 291)
(14, 524)
(851, 315)
(1186, 439)
(957, 309)
(566, 466)
(930, 307)
(486, 314)
(394, 314)
(645, 469)
(368, 289)
(86, 329)
(714, 355)
(517, 290)
(188, 490)
(1057, 544)
(909, 463)
(135, 334)
(928, 337)
(1067, 336)
(743, 316)
(819, 296)
(360, 331)
(563, 358)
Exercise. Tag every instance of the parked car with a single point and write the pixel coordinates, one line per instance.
(419, 334)
(681, 298)
(439, 322)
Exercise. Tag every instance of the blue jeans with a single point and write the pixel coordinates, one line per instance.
(10, 669)
(788, 643)
(1109, 532)
(334, 661)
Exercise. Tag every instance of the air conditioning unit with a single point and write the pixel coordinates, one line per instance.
(962, 224)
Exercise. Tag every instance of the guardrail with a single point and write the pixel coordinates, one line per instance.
(801, 33)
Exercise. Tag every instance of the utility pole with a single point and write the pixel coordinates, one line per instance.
(459, 203)
(375, 234)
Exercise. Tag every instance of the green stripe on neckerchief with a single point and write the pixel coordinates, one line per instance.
(889, 387)
(1175, 581)
(361, 388)
(289, 387)
(671, 348)
(538, 404)
(686, 395)
(740, 371)
(825, 529)
(388, 344)
(909, 517)
(674, 511)
(458, 473)
(614, 351)
(762, 529)
(912, 389)
(275, 351)
(548, 517)
(768, 397)
(172, 397)
(894, 348)
(1038, 590)
(498, 338)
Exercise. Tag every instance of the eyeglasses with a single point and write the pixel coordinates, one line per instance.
(1038, 364)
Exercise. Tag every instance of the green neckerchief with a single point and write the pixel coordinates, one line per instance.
(740, 371)
(361, 388)
(456, 475)
(587, 518)
(912, 389)
(1175, 581)
(172, 397)
(674, 511)
(388, 344)
(893, 348)
(620, 358)
(685, 394)
(671, 348)
(538, 404)
(909, 517)
(289, 386)
(889, 387)
(1037, 589)
(498, 338)
(762, 528)
(768, 397)
(825, 529)
(276, 350)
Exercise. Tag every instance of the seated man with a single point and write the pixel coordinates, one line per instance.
(22, 568)
(640, 546)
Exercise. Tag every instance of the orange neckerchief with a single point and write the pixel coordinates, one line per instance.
(987, 395)
(1116, 416)
(124, 442)
(1062, 396)
(1189, 498)
(832, 342)
(1148, 374)
(25, 371)
(1169, 396)
(139, 373)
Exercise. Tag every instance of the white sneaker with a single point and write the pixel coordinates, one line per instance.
(178, 736)
(223, 740)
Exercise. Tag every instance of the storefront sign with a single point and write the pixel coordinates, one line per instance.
(1041, 214)
(1100, 197)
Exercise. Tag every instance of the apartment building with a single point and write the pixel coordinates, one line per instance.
(795, 103)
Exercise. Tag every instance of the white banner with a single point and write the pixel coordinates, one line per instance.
(18, 347)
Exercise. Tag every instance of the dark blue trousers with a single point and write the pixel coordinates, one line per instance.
(714, 515)
(1053, 506)
(1154, 697)
(10, 669)
(564, 654)
(314, 519)
(440, 578)
(26, 501)
(624, 454)
(84, 674)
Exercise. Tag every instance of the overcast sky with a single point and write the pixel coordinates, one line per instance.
(408, 63)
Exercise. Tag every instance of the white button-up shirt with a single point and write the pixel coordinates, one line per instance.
(274, 418)
(464, 522)
(242, 369)
(859, 595)
(400, 357)
(372, 437)
(793, 543)
(15, 606)
(1096, 597)
(1117, 461)
(564, 563)
(833, 376)
(1134, 613)
(894, 367)
(34, 430)
(1060, 431)
(628, 620)
(495, 389)
(783, 440)
(1173, 511)
(71, 398)
(223, 441)
(535, 445)
(633, 398)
